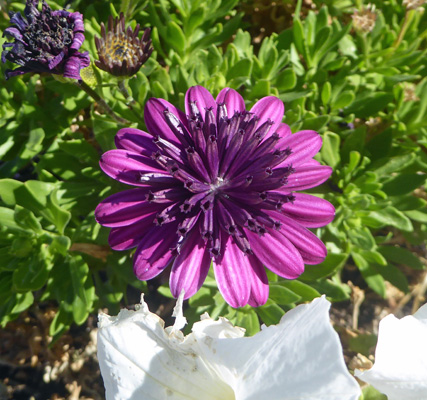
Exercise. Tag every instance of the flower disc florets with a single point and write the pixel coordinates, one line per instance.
(219, 183)
(45, 41)
(120, 51)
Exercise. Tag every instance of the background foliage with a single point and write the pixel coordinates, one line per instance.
(364, 92)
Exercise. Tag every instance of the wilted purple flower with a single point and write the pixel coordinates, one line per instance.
(45, 41)
(217, 183)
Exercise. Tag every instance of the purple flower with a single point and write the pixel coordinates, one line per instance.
(217, 183)
(45, 41)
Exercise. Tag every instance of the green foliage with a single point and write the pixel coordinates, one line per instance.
(365, 93)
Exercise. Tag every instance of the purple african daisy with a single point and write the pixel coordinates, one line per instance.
(45, 41)
(220, 184)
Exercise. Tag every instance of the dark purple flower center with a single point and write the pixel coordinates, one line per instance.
(46, 33)
(229, 169)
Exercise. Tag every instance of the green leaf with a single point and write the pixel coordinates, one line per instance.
(370, 274)
(158, 90)
(247, 318)
(373, 257)
(7, 190)
(32, 275)
(195, 19)
(282, 295)
(306, 292)
(394, 275)
(165, 291)
(27, 220)
(270, 313)
(369, 104)
(334, 291)
(343, 100)
(80, 149)
(326, 93)
(61, 322)
(291, 96)
(21, 248)
(59, 216)
(394, 164)
(354, 142)
(7, 220)
(402, 256)
(408, 203)
(60, 244)
(331, 149)
(403, 184)
(22, 302)
(79, 271)
(362, 343)
(175, 37)
(417, 215)
(332, 262)
(392, 217)
(299, 40)
(261, 89)
(286, 80)
(241, 69)
(316, 123)
(34, 144)
(370, 393)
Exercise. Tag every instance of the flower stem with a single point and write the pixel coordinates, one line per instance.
(130, 101)
(408, 18)
(125, 92)
(102, 103)
(366, 47)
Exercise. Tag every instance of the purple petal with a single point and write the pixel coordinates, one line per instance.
(126, 208)
(72, 68)
(18, 20)
(74, 64)
(15, 33)
(191, 266)
(311, 248)
(78, 41)
(231, 273)
(309, 211)
(135, 140)
(232, 100)
(259, 281)
(17, 71)
(304, 145)
(202, 98)
(272, 108)
(84, 59)
(77, 19)
(56, 60)
(277, 253)
(312, 162)
(284, 130)
(127, 167)
(155, 251)
(306, 177)
(127, 237)
(155, 119)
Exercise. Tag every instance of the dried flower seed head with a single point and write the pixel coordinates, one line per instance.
(217, 183)
(364, 21)
(409, 92)
(414, 4)
(120, 51)
(45, 41)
